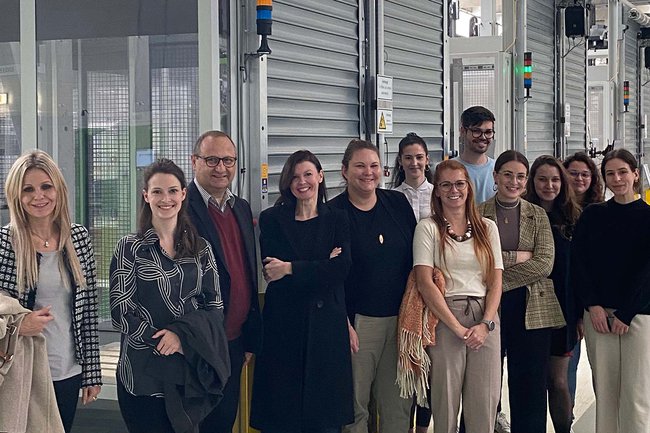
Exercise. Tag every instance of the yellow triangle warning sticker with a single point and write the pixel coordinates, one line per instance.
(382, 122)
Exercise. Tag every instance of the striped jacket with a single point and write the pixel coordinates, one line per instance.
(84, 319)
(542, 307)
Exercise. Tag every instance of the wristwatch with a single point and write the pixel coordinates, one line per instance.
(490, 324)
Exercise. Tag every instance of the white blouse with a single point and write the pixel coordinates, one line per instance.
(420, 198)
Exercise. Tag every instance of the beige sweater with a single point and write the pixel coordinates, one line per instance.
(27, 400)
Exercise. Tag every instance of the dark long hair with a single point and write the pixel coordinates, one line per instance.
(594, 193)
(398, 171)
(286, 196)
(482, 247)
(566, 209)
(186, 239)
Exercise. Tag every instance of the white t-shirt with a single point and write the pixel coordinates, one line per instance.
(461, 269)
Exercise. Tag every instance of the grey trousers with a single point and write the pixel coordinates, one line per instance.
(374, 369)
(458, 371)
(620, 367)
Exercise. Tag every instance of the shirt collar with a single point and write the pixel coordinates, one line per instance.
(424, 186)
(228, 196)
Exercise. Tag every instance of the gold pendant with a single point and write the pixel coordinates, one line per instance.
(505, 220)
(381, 238)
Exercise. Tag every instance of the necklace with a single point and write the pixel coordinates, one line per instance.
(503, 206)
(46, 242)
(458, 238)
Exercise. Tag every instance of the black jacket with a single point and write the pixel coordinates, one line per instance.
(252, 329)
(194, 382)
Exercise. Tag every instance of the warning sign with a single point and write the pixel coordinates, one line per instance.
(384, 121)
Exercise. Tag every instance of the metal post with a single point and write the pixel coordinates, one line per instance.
(614, 79)
(209, 91)
(28, 95)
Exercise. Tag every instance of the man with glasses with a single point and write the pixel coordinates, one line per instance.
(476, 133)
(226, 221)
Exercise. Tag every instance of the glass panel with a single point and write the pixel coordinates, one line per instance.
(9, 115)
(113, 98)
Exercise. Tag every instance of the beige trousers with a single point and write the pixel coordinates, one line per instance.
(374, 369)
(458, 371)
(620, 367)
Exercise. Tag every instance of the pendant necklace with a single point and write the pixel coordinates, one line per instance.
(506, 207)
(46, 242)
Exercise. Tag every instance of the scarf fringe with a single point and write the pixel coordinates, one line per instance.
(413, 368)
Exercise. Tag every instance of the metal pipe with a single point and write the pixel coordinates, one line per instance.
(635, 15)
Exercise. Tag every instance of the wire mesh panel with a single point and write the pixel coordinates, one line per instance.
(630, 117)
(478, 86)
(9, 126)
(108, 169)
(174, 102)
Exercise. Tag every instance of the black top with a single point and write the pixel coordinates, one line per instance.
(563, 290)
(610, 263)
(382, 254)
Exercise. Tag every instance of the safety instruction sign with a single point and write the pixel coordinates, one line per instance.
(384, 121)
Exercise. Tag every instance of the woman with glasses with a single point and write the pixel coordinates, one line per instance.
(529, 307)
(548, 186)
(588, 188)
(381, 228)
(611, 273)
(466, 360)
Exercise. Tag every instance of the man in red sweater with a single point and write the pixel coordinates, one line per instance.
(226, 222)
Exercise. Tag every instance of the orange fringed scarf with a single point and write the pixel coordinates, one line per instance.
(416, 331)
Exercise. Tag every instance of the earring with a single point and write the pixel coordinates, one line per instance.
(427, 168)
(494, 187)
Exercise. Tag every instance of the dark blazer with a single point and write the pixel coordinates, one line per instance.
(401, 213)
(303, 377)
(252, 329)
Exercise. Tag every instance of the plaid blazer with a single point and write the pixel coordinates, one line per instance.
(84, 304)
(542, 307)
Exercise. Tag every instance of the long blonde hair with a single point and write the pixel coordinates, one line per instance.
(482, 247)
(19, 227)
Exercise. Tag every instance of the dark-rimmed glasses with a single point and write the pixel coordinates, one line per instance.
(213, 161)
(478, 132)
(459, 184)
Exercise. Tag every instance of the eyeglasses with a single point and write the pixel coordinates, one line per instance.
(582, 174)
(510, 176)
(459, 184)
(213, 161)
(478, 132)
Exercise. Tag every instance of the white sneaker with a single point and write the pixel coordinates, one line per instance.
(502, 425)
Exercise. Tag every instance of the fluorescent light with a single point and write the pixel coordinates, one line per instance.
(4, 98)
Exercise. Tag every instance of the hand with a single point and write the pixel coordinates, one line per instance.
(523, 256)
(618, 327)
(89, 394)
(35, 322)
(275, 269)
(598, 317)
(354, 339)
(476, 335)
(169, 342)
(247, 358)
(580, 329)
(335, 252)
(461, 332)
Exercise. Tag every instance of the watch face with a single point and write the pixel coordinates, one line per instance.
(491, 325)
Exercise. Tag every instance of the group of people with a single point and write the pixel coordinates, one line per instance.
(509, 260)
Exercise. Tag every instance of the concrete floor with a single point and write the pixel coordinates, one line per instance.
(103, 416)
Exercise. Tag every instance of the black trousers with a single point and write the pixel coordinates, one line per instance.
(143, 414)
(67, 396)
(222, 418)
(528, 354)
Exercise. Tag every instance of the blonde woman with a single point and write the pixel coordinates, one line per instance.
(47, 263)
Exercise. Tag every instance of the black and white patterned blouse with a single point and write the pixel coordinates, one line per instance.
(84, 308)
(148, 290)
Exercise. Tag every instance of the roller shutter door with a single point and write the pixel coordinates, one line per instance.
(645, 114)
(413, 56)
(313, 83)
(575, 78)
(541, 120)
(631, 70)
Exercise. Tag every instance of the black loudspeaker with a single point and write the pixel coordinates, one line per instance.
(574, 21)
(646, 57)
